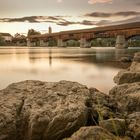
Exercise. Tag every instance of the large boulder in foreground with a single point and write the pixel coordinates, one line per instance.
(34, 110)
(92, 133)
(127, 96)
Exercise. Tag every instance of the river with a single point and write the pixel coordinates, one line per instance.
(94, 67)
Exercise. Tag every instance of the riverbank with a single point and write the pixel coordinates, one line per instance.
(35, 110)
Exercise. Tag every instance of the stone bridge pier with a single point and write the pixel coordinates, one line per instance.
(121, 42)
(61, 43)
(84, 43)
(30, 43)
(43, 43)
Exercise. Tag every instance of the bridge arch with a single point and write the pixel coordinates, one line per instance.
(133, 41)
(72, 42)
(52, 41)
(102, 41)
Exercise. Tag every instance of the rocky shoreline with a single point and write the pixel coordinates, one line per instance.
(35, 110)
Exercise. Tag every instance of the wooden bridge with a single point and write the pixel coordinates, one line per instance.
(120, 32)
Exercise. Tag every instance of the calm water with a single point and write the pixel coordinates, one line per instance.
(94, 67)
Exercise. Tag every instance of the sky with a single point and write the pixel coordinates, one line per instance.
(18, 16)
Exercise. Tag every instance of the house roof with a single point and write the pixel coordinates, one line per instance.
(5, 34)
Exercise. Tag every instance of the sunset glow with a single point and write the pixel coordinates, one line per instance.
(17, 16)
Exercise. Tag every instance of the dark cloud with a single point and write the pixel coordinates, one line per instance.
(103, 22)
(34, 19)
(87, 22)
(138, 3)
(60, 20)
(66, 23)
(130, 20)
(106, 15)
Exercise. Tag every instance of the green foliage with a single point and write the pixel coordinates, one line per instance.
(2, 41)
(72, 43)
(134, 43)
(33, 32)
(52, 42)
(103, 42)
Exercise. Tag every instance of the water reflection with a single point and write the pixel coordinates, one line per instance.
(50, 57)
(94, 67)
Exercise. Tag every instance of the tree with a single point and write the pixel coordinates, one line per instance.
(2, 41)
(33, 32)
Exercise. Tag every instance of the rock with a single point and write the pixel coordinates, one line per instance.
(133, 121)
(135, 67)
(127, 96)
(127, 77)
(137, 57)
(105, 106)
(34, 110)
(132, 74)
(92, 133)
(126, 59)
(116, 126)
(124, 138)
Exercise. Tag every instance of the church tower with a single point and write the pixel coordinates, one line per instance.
(50, 30)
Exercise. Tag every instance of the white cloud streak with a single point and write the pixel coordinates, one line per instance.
(99, 1)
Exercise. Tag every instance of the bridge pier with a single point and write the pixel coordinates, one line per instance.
(121, 42)
(84, 43)
(61, 43)
(42, 43)
(28, 42)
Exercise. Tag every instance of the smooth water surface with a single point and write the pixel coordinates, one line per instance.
(94, 67)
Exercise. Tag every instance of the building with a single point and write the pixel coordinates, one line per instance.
(7, 37)
(50, 30)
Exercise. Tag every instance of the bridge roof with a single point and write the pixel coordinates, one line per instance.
(96, 29)
(107, 28)
(5, 34)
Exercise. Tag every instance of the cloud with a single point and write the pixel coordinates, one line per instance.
(138, 3)
(106, 15)
(59, 1)
(99, 1)
(34, 19)
(66, 23)
(61, 21)
(130, 20)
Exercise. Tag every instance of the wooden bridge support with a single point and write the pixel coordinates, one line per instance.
(121, 42)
